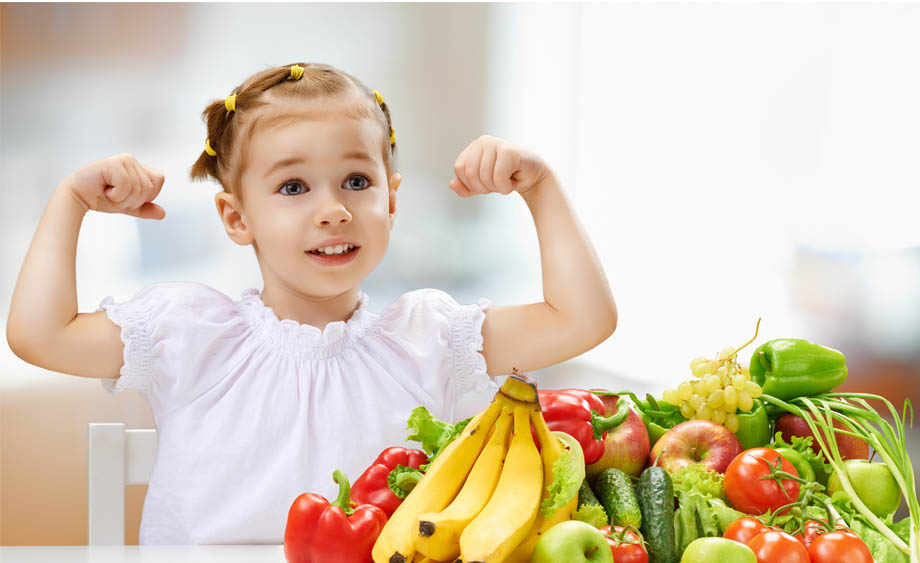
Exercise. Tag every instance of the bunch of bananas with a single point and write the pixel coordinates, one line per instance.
(479, 502)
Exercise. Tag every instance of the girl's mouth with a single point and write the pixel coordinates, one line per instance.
(333, 259)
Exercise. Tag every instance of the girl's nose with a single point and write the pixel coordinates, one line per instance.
(331, 211)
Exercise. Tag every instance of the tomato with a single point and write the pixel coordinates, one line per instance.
(774, 546)
(625, 551)
(839, 546)
(813, 529)
(744, 529)
(748, 492)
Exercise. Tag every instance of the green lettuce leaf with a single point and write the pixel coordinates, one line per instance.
(433, 434)
(701, 516)
(883, 551)
(723, 514)
(593, 514)
(902, 529)
(697, 477)
(568, 473)
(702, 510)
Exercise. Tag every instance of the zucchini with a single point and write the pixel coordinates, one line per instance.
(615, 491)
(655, 493)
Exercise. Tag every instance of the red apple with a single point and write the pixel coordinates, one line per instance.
(626, 447)
(850, 447)
(696, 441)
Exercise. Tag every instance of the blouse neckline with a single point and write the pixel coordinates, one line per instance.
(304, 339)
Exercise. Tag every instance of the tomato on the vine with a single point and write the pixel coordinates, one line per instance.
(751, 486)
(744, 529)
(775, 546)
(627, 546)
(813, 529)
(839, 546)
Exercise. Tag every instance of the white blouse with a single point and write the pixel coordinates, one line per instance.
(252, 411)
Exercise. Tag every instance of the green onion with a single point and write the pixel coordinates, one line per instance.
(864, 422)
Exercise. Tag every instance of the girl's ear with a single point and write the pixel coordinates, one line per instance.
(395, 180)
(230, 212)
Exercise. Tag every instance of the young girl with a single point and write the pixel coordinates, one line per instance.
(259, 399)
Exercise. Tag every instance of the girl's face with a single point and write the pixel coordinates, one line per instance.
(318, 181)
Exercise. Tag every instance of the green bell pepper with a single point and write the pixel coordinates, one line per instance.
(658, 416)
(655, 429)
(790, 367)
(802, 467)
(753, 426)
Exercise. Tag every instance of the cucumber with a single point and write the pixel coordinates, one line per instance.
(590, 509)
(655, 493)
(586, 495)
(615, 491)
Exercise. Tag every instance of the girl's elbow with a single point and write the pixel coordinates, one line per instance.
(609, 321)
(15, 341)
(21, 347)
(601, 329)
(611, 324)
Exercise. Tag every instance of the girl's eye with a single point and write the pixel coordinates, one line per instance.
(298, 188)
(358, 182)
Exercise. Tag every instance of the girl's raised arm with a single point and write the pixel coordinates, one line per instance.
(44, 327)
(578, 311)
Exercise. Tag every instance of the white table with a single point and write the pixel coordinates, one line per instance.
(144, 553)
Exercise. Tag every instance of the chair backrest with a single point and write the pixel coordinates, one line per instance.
(117, 457)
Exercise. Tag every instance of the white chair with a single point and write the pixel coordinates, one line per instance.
(117, 457)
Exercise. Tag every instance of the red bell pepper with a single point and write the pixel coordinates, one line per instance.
(389, 479)
(319, 532)
(579, 413)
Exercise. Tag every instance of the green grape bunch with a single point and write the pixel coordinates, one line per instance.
(722, 387)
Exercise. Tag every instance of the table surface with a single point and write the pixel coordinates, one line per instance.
(144, 553)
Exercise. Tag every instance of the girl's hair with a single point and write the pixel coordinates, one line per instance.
(229, 134)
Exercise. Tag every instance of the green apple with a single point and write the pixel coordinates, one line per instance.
(874, 484)
(717, 550)
(572, 541)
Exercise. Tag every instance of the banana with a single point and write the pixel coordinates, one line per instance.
(521, 388)
(438, 534)
(435, 490)
(494, 533)
(550, 450)
(419, 558)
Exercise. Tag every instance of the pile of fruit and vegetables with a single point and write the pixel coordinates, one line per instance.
(764, 463)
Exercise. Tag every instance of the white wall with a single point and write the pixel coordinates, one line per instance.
(730, 161)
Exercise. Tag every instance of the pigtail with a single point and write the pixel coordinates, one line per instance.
(216, 117)
(392, 132)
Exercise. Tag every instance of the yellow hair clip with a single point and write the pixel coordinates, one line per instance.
(392, 135)
(296, 72)
(230, 102)
(208, 149)
(379, 98)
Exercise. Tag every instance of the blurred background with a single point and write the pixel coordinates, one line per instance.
(729, 161)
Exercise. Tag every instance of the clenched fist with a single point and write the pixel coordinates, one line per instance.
(117, 184)
(490, 164)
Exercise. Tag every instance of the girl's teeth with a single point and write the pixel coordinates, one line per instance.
(338, 249)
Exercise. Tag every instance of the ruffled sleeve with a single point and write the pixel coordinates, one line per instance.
(162, 329)
(434, 318)
(465, 322)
